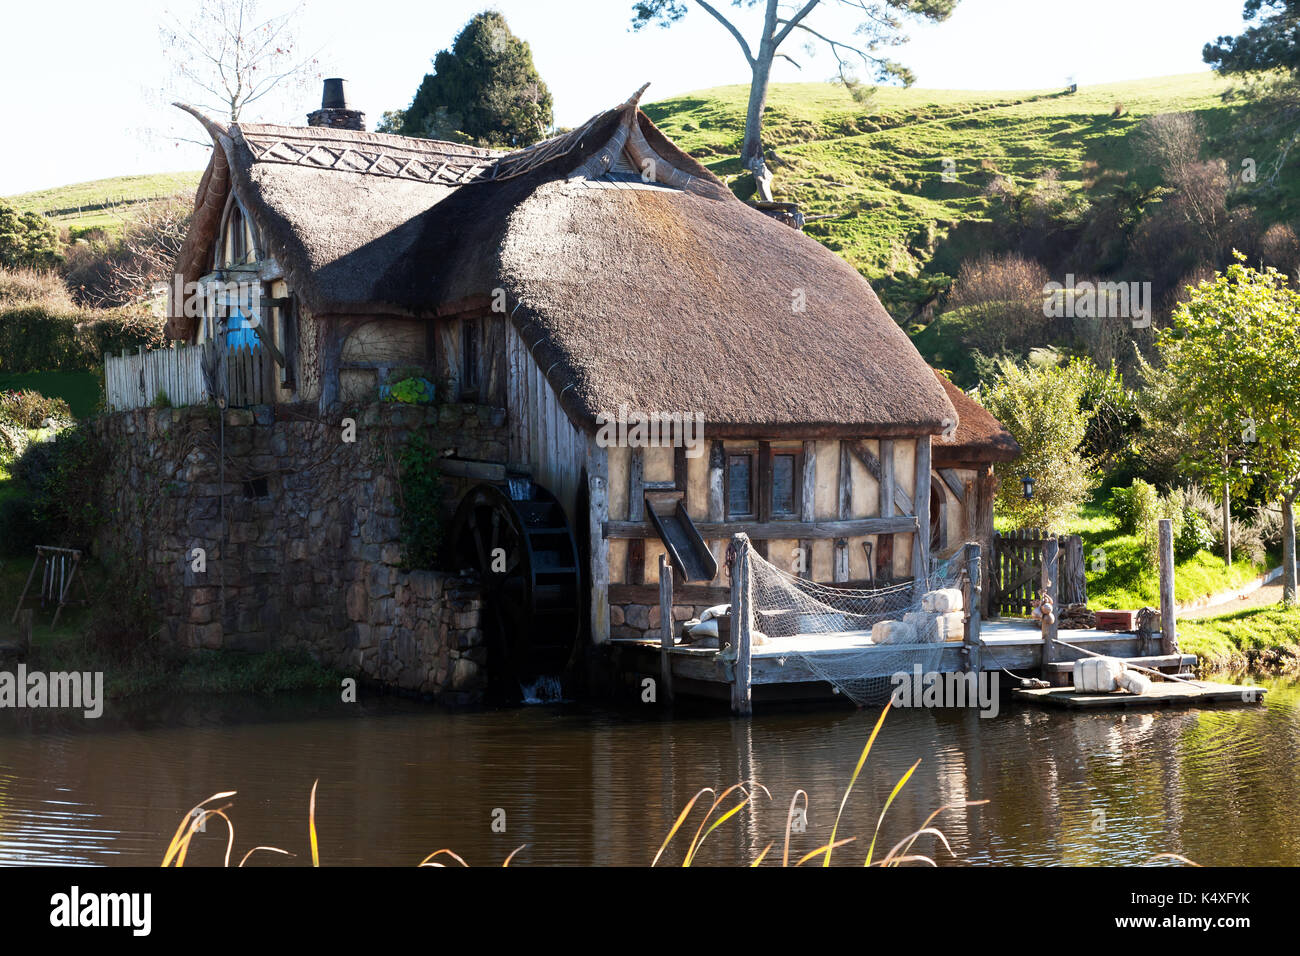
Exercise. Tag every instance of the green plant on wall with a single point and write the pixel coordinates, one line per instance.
(420, 503)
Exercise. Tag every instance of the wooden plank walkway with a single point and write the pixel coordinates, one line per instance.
(1161, 694)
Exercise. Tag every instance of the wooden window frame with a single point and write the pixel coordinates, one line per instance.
(796, 484)
(471, 371)
(752, 455)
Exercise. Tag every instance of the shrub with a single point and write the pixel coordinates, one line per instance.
(27, 239)
(420, 503)
(28, 408)
(1195, 535)
(64, 476)
(1007, 294)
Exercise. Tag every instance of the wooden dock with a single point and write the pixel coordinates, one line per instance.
(1161, 694)
(786, 668)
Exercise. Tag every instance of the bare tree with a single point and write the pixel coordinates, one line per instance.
(879, 25)
(229, 57)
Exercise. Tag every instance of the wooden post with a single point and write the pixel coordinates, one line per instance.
(885, 543)
(742, 612)
(598, 547)
(1168, 616)
(844, 510)
(971, 636)
(921, 508)
(665, 624)
(717, 504)
(1051, 552)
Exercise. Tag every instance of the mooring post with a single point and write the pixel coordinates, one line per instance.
(1051, 554)
(971, 636)
(742, 612)
(665, 624)
(1168, 616)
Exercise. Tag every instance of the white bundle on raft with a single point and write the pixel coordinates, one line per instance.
(1105, 675)
(936, 627)
(1097, 675)
(893, 632)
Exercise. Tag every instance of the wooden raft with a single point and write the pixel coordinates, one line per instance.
(1162, 694)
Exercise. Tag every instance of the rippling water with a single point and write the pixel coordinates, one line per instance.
(583, 785)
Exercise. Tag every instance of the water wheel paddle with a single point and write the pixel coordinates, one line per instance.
(517, 538)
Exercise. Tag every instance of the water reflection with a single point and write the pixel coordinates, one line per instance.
(585, 785)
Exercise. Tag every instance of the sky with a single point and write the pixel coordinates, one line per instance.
(85, 83)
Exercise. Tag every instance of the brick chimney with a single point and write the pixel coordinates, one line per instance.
(334, 111)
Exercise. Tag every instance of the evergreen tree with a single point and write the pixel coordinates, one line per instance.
(484, 90)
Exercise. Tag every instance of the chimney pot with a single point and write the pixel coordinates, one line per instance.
(335, 94)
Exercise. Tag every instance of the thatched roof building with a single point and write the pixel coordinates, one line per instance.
(600, 272)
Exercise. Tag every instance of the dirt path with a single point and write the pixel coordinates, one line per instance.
(1261, 597)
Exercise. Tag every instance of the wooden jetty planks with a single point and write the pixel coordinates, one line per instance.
(1170, 694)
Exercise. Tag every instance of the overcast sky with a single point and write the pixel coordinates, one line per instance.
(83, 82)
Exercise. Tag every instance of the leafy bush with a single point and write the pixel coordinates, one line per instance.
(420, 503)
(28, 408)
(1121, 506)
(36, 337)
(64, 476)
(1194, 535)
(1007, 294)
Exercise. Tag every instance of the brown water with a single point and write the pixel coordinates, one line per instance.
(582, 785)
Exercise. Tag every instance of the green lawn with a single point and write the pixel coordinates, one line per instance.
(81, 390)
(102, 203)
(1257, 637)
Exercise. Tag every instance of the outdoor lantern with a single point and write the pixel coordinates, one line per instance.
(1027, 483)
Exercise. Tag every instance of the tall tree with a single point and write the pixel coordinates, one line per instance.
(229, 57)
(485, 89)
(1234, 352)
(1266, 54)
(879, 25)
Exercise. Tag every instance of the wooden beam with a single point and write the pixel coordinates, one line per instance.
(741, 627)
(764, 509)
(717, 503)
(852, 528)
(481, 470)
(1051, 650)
(597, 547)
(840, 554)
(807, 510)
(636, 484)
(971, 634)
(1168, 613)
(921, 508)
(665, 624)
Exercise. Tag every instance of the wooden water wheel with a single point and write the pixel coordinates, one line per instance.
(519, 541)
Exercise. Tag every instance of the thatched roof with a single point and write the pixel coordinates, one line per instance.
(978, 436)
(670, 295)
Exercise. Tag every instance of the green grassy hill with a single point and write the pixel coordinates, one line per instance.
(878, 169)
(102, 203)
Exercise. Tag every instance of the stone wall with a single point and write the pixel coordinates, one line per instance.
(300, 535)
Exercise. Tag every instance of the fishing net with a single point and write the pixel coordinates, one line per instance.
(830, 629)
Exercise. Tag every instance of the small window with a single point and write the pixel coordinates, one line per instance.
(237, 238)
(469, 352)
(740, 486)
(784, 502)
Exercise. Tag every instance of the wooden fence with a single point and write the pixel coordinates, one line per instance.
(190, 375)
(134, 381)
(1016, 573)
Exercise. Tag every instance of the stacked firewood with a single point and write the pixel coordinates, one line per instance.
(1075, 617)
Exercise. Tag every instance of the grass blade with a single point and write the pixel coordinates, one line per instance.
(680, 820)
(311, 826)
(885, 809)
(856, 770)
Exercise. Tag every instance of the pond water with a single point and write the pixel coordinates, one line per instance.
(400, 779)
